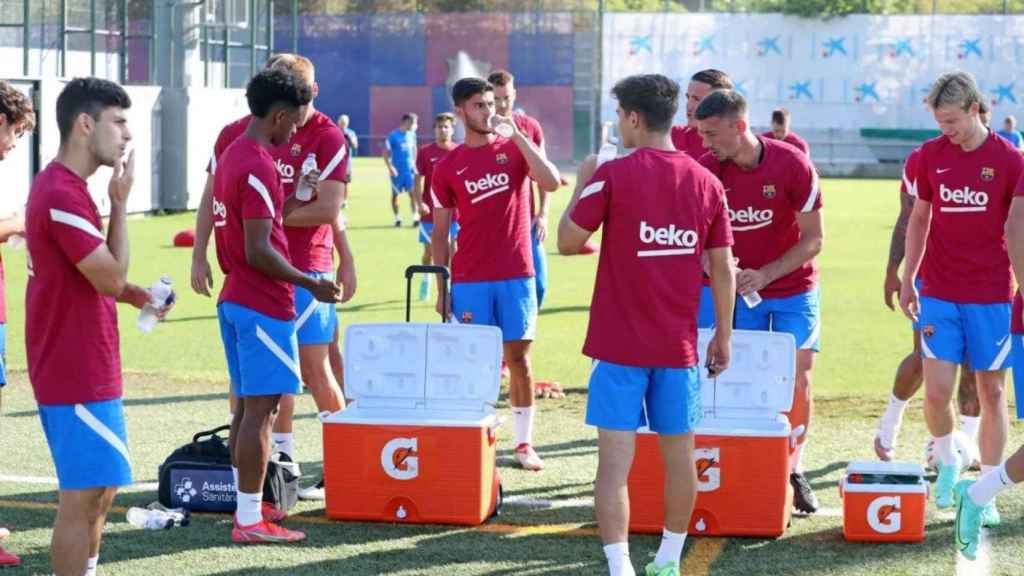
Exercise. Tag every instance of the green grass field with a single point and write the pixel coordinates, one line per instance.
(176, 385)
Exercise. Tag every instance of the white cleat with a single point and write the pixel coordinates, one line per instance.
(528, 458)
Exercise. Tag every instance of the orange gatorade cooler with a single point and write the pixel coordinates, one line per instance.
(743, 446)
(417, 445)
(884, 502)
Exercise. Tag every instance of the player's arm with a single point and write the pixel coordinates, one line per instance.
(812, 237)
(264, 258)
(542, 170)
(439, 251)
(723, 289)
(897, 247)
(571, 236)
(917, 234)
(202, 274)
(386, 154)
(321, 210)
(11, 226)
(417, 194)
(346, 275)
(106, 267)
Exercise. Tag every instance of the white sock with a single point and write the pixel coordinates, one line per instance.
(618, 559)
(522, 418)
(671, 549)
(969, 425)
(90, 566)
(797, 462)
(234, 476)
(249, 510)
(284, 442)
(989, 485)
(892, 419)
(944, 449)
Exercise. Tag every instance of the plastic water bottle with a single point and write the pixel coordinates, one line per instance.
(752, 298)
(159, 296)
(303, 191)
(149, 519)
(501, 129)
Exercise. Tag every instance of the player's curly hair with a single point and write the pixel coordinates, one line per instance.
(270, 89)
(16, 107)
(87, 96)
(653, 96)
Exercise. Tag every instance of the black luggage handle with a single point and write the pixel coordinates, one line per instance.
(426, 269)
(214, 432)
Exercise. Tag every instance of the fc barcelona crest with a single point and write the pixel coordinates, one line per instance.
(769, 191)
(501, 158)
(987, 174)
(296, 150)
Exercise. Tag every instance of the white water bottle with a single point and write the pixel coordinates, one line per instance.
(501, 129)
(149, 519)
(159, 295)
(303, 191)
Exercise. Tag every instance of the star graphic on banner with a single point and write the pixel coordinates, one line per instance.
(739, 87)
(799, 89)
(640, 43)
(1005, 92)
(968, 47)
(706, 44)
(867, 90)
(767, 45)
(835, 46)
(902, 47)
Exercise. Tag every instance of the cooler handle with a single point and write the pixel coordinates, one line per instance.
(425, 269)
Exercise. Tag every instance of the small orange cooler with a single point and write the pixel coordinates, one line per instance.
(417, 445)
(743, 446)
(884, 502)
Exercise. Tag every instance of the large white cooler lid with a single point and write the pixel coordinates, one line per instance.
(440, 368)
(760, 379)
(871, 467)
(889, 468)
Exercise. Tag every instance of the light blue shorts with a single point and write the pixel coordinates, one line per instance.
(508, 304)
(402, 182)
(262, 352)
(317, 320)
(427, 228)
(88, 443)
(627, 397)
(978, 333)
(799, 315)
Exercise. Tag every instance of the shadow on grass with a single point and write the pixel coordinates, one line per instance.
(154, 401)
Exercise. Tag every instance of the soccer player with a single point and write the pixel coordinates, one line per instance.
(642, 335)
(353, 144)
(973, 498)
(505, 105)
(400, 158)
(16, 118)
(780, 131)
(688, 139)
(908, 373)
(426, 158)
(74, 361)
(1010, 132)
(775, 210)
(968, 177)
(487, 179)
(256, 307)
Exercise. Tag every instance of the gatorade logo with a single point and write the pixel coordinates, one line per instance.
(220, 213)
(675, 241)
(487, 186)
(750, 219)
(399, 458)
(884, 515)
(965, 199)
(287, 171)
(709, 470)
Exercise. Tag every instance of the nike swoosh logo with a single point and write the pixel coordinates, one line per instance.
(942, 170)
(459, 172)
(1002, 340)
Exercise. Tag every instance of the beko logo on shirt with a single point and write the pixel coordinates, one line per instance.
(750, 218)
(287, 171)
(488, 186)
(676, 241)
(968, 200)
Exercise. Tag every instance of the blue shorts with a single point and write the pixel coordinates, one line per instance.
(706, 310)
(978, 333)
(402, 182)
(799, 315)
(508, 304)
(540, 267)
(88, 443)
(1017, 357)
(262, 352)
(427, 228)
(627, 397)
(317, 320)
(3, 354)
